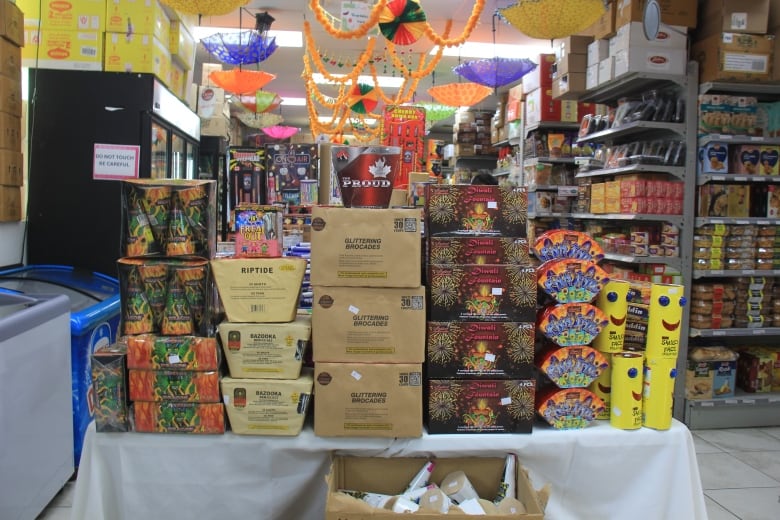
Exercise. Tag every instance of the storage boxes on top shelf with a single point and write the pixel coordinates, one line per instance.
(11, 158)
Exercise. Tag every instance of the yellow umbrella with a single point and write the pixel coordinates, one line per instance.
(208, 7)
(550, 19)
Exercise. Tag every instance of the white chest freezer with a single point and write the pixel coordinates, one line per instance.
(36, 433)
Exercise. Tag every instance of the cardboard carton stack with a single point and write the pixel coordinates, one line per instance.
(571, 57)
(213, 108)
(368, 322)
(482, 300)
(11, 158)
(471, 134)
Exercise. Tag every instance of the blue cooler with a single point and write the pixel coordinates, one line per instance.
(94, 320)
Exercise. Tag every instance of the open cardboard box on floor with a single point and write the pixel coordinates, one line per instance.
(391, 476)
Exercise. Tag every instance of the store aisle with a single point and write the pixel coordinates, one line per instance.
(740, 473)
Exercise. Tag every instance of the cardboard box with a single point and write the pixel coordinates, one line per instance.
(151, 352)
(769, 158)
(477, 250)
(754, 370)
(382, 251)
(739, 200)
(710, 379)
(598, 197)
(145, 17)
(592, 76)
(368, 400)
(479, 350)
(10, 96)
(714, 158)
(570, 63)
(457, 209)
(632, 35)
(174, 385)
(604, 27)
(745, 159)
(10, 60)
(109, 388)
(738, 16)
(218, 125)
(540, 106)
(657, 60)
(368, 324)
(606, 70)
(569, 86)
(574, 44)
(10, 132)
(673, 12)
(143, 53)
(56, 15)
(480, 406)
(182, 45)
(713, 201)
(597, 51)
(481, 292)
(11, 23)
(12, 168)
(178, 417)
(181, 79)
(541, 76)
(10, 203)
(773, 201)
(514, 110)
(391, 475)
(734, 57)
(265, 350)
(267, 407)
(60, 49)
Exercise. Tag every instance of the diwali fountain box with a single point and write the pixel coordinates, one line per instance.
(465, 209)
(480, 406)
(478, 250)
(482, 292)
(479, 349)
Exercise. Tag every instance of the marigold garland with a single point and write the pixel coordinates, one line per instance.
(310, 46)
(420, 72)
(323, 17)
(476, 12)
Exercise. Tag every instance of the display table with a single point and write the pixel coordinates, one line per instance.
(599, 472)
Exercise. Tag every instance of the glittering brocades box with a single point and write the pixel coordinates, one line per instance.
(480, 406)
(479, 349)
(481, 292)
(454, 209)
(478, 250)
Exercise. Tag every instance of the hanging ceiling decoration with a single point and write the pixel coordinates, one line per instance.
(280, 132)
(260, 101)
(362, 98)
(550, 19)
(240, 48)
(494, 72)
(459, 94)
(436, 112)
(205, 7)
(262, 120)
(402, 21)
(240, 81)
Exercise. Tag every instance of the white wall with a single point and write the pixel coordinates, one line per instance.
(11, 242)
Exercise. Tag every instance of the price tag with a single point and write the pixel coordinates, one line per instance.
(740, 178)
(490, 357)
(756, 138)
(174, 359)
(742, 222)
(567, 191)
(731, 401)
(749, 271)
(506, 401)
(718, 332)
(707, 403)
(353, 309)
(748, 401)
(356, 375)
(497, 291)
(759, 332)
(492, 204)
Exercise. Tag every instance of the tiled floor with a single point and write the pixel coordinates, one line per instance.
(740, 474)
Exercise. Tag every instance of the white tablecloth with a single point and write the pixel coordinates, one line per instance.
(596, 473)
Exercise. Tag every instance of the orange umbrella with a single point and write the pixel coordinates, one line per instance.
(240, 81)
(208, 7)
(459, 94)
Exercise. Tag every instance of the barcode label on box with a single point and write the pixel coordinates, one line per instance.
(257, 307)
(738, 62)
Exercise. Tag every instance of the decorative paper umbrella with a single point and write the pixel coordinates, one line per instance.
(263, 120)
(362, 98)
(495, 72)
(550, 19)
(459, 94)
(402, 21)
(436, 112)
(280, 132)
(261, 101)
(241, 48)
(240, 81)
(208, 7)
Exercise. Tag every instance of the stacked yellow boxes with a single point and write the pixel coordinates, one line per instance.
(11, 159)
(368, 322)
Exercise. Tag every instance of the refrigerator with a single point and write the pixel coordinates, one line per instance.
(212, 165)
(93, 303)
(87, 131)
(36, 454)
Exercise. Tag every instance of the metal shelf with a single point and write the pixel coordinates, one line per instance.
(551, 125)
(548, 215)
(752, 89)
(735, 333)
(677, 171)
(554, 160)
(704, 178)
(759, 221)
(531, 189)
(637, 128)
(728, 273)
(476, 158)
(738, 139)
(674, 219)
(744, 410)
(631, 83)
(501, 173)
(671, 261)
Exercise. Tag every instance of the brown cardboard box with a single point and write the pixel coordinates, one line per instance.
(10, 132)
(734, 57)
(368, 400)
(570, 63)
(604, 27)
(755, 369)
(356, 247)
(11, 168)
(740, 16)
(571, 45)
(598, 196)
(391, 475)
(11, 23)
(10, 60)
(569, 86)
(541, 76)
(10, 203)
(368, 324)
(673, 12)
(11, 96)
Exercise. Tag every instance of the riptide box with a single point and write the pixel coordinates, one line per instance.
(58, 15)
(356, 247)
(368, 400)
(61, 49)
(368, 324)
(460, 209)
(265, 350)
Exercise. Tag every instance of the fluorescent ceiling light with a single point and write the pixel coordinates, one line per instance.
(383, 81)
(481, 50)
(283, 38)
(294, 101)
(328, 119)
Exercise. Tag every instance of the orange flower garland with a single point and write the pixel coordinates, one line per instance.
(476, 12)
(420, 72)
(365, 57)
(322, 17)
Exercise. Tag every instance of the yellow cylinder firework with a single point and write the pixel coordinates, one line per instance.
(626, 398)
(613, 300)
(663, 321)
(602, 387)
(657, 397)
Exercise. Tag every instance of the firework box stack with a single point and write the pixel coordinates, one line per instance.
(482, 300)
(570, 279)
(368, 321)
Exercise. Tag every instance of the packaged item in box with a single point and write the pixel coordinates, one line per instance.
(259, 289)
(728, 56)
(479, 349)
(561, 243)
(769, 159)
(258, 230)
(755, 368)
(178, 417)
(151, 352)
(109, 387)
(478, 250)
(570, 324)
(454, 209)
(482, 292)
(571, 281)
(265, 350)
(263, 407)
(571, 408)
(480, 406)
(572, 367)
(745, 159)
(713, 200)
(714, 158)
(711, 372)
(174, 385)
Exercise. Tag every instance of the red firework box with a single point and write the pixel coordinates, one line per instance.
(479, 350)
(465, 209)
(478, 250)
(501, 292)
(480, 406)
